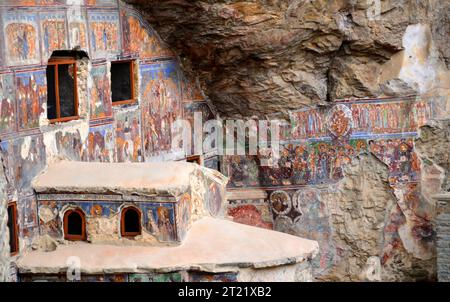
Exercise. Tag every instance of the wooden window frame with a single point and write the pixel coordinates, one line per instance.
(70, 237)
(195, 158)
(64, 61)
(16, 227)
(133, 96)
(123, 233)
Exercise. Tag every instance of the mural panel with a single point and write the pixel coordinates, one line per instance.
(159, 220)
(101, 143)
(21, 38)
(139, 37)
(78, 36)
(128, 137)
(53, 31)
(7, 104)
(31, 94)
(161, 105)
(104, 33)
(100, 100)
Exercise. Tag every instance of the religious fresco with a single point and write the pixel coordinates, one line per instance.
(128, 137)
(214, 199)
(53, 31)
(78, 36)
(399, 156)
(7, 104)
(100, 98)
(104, 33)
(299, 164)
(100, 143)
(28, 217)
(313, 223)
(31, 94)
(161, 105)
(49, 219)
(139, 37)
(362, 118)
(256, 215)
(24, 158)
(190, 90)
(112, 3)
(183, 214)
(21, 38)
(159, 220)
(308, 123)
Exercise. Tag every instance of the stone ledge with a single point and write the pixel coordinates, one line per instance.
(212, 245)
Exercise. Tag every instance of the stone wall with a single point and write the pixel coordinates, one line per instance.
(443, 237)
(4, 233)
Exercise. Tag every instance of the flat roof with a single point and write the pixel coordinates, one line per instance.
(159, 178)
(211, 245)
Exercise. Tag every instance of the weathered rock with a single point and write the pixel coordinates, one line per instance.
(44, 243)
(259, 57)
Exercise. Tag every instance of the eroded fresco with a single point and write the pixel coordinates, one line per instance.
(100, 100)
(7, 105)
(128, 136)
(161, 105)
(104, 33)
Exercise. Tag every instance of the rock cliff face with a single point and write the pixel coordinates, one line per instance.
(258, 57)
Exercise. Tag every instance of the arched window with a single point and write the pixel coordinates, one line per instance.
(130, 225)
(74, 225)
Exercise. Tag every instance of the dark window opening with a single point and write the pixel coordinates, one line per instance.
(62, 99)
(13, 229)
(194, 159)
(122, 82)
(74, 225)
(131, 222)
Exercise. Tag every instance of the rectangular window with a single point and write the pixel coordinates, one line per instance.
(13, 229)
(62, 99)
(122, 82)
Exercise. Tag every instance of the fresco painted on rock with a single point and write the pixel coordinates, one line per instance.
(299, 164)
(101, 143)
(53, 32)
(31, 94)
(308, 123)
(313, 223)
(400, 157)
(251, 214)
(190, 90)
(100, 100)
(104, 33)
(128, 137)
(363, 118)
(139, 37)
(161, 105)
(21, 38)
(7, 104)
